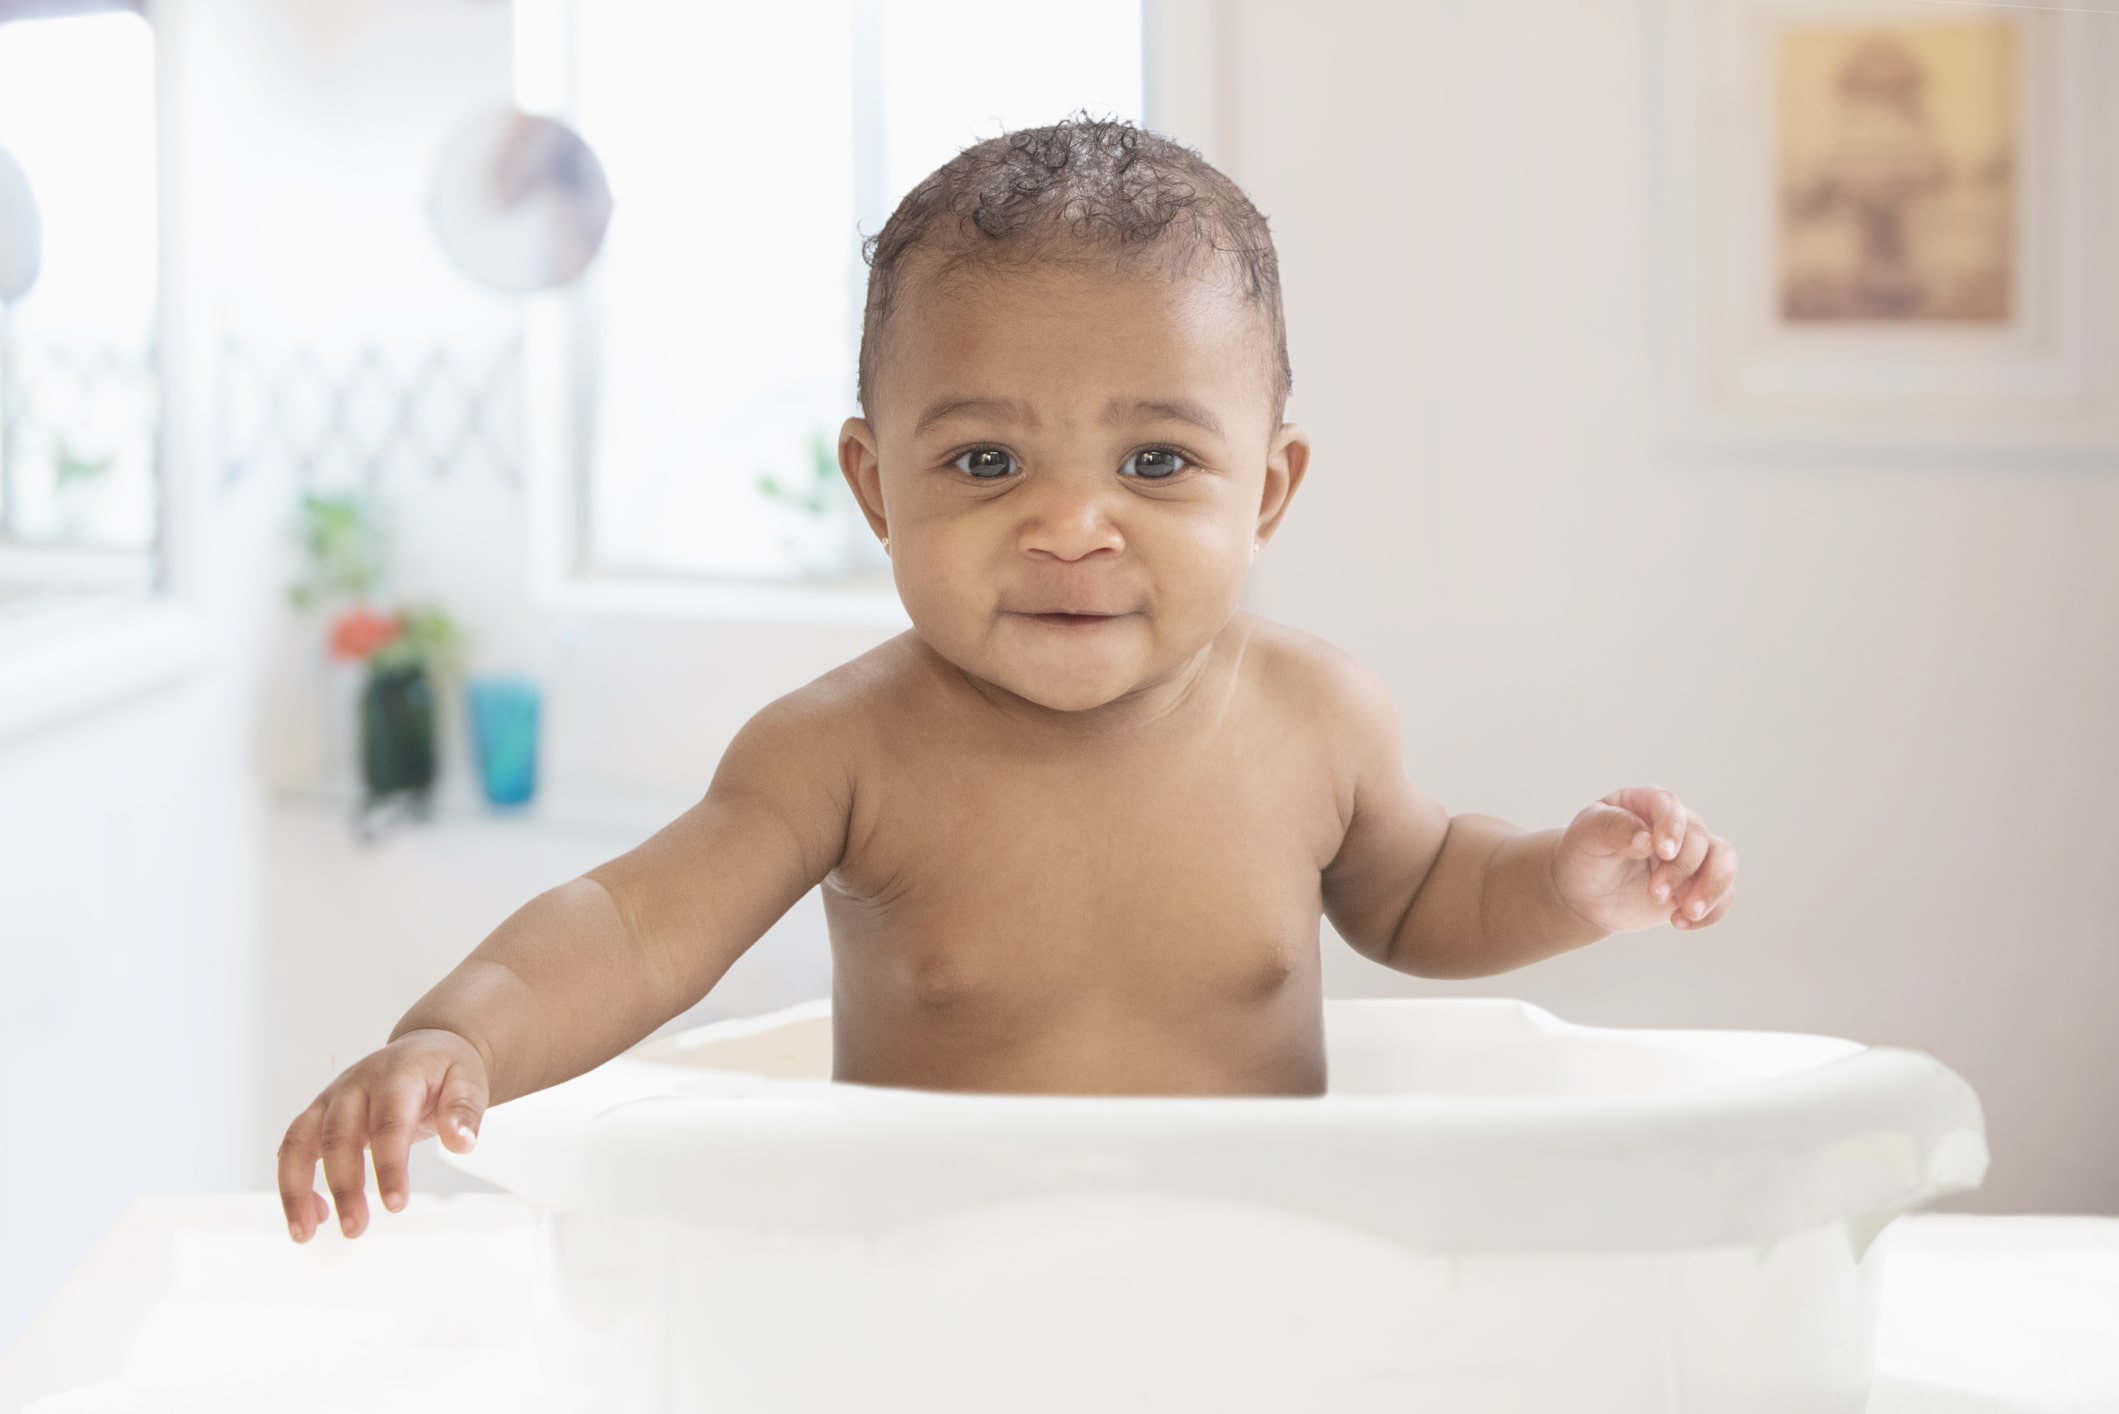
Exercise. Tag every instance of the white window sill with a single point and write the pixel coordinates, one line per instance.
(61, 661)
(870, 600)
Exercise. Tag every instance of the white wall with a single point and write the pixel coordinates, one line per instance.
(1892, 687)
(126, 974)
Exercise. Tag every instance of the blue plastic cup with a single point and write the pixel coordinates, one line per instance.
(504, 737)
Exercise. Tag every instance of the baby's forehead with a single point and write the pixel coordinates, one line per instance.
(1001, 328)
(1142, 316)
(1061, 272)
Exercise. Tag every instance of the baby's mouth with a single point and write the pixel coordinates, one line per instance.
(1073, 620)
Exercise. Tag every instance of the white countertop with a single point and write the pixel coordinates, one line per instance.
(198, 1302)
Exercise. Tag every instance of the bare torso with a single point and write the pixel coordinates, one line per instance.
(1134, 911)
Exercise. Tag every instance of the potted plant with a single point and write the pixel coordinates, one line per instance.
(404, 649)
(404, 652)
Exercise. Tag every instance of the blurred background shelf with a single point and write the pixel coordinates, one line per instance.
(451, 808)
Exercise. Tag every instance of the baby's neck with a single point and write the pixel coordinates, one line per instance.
(1176, 700)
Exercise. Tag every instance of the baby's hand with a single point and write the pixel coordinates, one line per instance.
(422, 1083)
(1637, 857)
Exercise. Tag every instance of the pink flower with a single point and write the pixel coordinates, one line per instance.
(357, 633)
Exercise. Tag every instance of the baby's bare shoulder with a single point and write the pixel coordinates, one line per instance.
(1311, 677)
(836, 699)
(839, 715)
(860, 683)
(1319, 694)
(800, 758)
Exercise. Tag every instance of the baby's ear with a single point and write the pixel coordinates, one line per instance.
(862, 465)
(1287, 459)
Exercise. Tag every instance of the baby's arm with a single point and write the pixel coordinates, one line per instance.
(1416, 888)
(587, 969)
(1438, 895)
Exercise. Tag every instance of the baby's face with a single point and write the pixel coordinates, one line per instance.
(1055, 440)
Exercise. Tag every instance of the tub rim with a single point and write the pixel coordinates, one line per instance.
(1858, 1139)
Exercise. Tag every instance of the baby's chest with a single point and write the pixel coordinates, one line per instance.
(1141, 874)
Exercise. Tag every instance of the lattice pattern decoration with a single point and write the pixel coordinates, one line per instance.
(360, 418)
(77, 443)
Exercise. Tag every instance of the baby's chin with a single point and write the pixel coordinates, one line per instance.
(1045, 690)
(1077, 680)
(1059, 667)
(1065, 677)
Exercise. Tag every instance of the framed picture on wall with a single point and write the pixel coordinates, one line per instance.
(1886, 224)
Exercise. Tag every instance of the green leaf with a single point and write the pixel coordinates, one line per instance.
(69, 465)
(344, 546)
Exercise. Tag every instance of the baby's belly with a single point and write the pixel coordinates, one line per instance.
(1219, 997)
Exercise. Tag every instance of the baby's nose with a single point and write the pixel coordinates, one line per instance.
(1068, 523)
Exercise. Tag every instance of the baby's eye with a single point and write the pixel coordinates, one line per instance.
(1157, 463)
(981, 459)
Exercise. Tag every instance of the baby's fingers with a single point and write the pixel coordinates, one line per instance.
(1667, 879)
(462, 1104)
(345, 1157)
(391, 1134)
(303, 1205)
(1664, 812)
(1705, 898)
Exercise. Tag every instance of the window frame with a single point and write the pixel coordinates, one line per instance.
(556, 392)
(1184, 54)
(65, 656)
(38, 568)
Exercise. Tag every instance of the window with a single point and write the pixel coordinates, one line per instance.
(709, 354)
(79, 495)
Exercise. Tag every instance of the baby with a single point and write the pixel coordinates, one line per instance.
(1076, 827)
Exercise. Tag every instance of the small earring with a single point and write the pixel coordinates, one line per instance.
(1254, 549)
(886, 544)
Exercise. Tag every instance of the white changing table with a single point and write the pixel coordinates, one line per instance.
(199, 1302)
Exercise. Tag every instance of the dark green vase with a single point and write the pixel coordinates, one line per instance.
(397, 732)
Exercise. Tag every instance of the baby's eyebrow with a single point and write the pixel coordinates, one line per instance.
(1116, 411)
(1165, 410)
(1007, 408)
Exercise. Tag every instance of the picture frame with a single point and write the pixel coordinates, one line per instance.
(1836, 269)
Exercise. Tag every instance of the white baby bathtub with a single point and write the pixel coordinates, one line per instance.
(1491, 1210)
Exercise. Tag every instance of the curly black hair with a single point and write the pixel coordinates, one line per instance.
(1080, 188)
